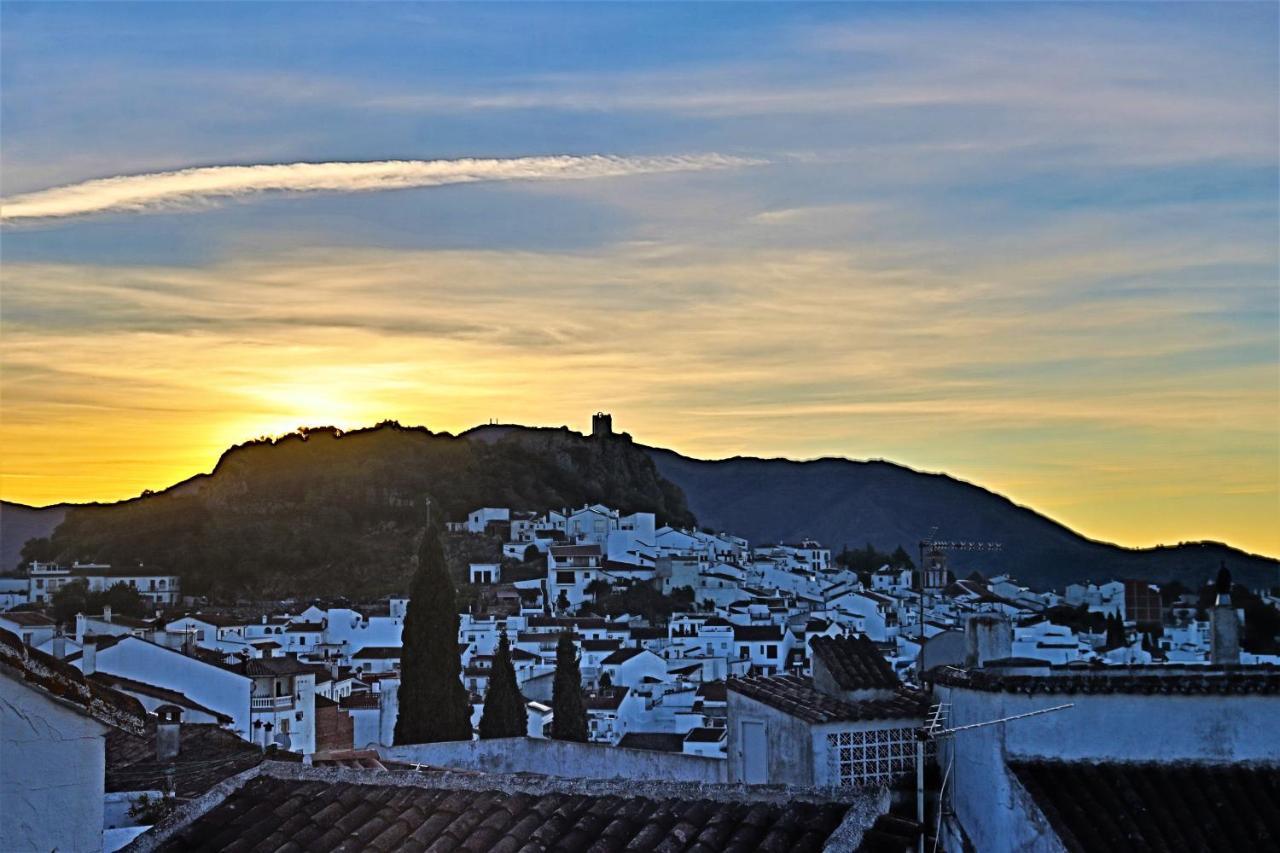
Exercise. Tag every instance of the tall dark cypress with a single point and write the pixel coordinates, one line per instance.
(504, 710)
(569, 720)
(433, 703)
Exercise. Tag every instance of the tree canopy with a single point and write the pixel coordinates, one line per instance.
(433, 703)
(569, 720)
(504, 713)
(75, 597)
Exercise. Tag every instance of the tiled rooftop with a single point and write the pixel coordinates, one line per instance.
(1149, 807)
(290, 815)
(1197, 680)
(855, 663)
(208, 754)
(62, 682)
(799, 698)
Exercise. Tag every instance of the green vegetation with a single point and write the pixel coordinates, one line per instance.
(569, 720)
(639, 599)
(321, 512)
(75, 597)
(504, 712)
(868, 559)
(433, 703)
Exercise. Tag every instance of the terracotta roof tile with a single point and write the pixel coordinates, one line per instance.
(207, 755)
(63, 682)
(855, 663)
(325, 815)
(799, 698)
(1166, 679)
(1149, 806)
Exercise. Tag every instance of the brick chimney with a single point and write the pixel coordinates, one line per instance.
(168, 732)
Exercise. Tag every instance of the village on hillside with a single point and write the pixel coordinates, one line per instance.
(699, 658)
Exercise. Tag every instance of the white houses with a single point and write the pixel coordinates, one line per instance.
(1014, 784)
(570, 568)
(282, 703)
(53, 726)
(484, 573)
(851, 724)
(478, 520)
(629, 667)
(33, 629)
(766, 646)
(157, 587)
(214, 687)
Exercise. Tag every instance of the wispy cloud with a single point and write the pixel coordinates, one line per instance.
(201, 186)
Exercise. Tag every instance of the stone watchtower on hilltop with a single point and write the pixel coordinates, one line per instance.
(601, 425)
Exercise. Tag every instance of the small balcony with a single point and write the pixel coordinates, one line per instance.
(271, 703)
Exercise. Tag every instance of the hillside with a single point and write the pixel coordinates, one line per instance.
(18, 523)
(839, 502)
(325, 513)
(320, 512)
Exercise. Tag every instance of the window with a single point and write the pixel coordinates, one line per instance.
(874, 756)
(565, 578)
(771, 651)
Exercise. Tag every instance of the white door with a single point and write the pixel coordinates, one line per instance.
(755, 752)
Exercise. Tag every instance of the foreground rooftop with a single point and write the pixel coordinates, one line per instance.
(285, 808)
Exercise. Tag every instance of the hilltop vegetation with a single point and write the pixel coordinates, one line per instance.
(322, 512)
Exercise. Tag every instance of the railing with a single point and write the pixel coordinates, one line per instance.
(271, 703)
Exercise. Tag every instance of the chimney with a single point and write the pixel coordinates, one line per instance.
(987, 636)
(168, 732)
(189, 642)
(333, 669)
(59, 645)
(257, 734)
(1224, 624)
(106, 613)
(89, 655)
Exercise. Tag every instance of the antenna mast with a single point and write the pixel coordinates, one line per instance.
(932, 730)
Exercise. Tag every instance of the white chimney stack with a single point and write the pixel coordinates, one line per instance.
(168, 732)
(89, 655)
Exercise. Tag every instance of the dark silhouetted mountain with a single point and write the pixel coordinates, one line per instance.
(322, 512)
(839, 502)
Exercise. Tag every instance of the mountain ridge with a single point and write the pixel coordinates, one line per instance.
(834, 499)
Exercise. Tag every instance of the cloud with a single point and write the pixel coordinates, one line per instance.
(201, 186)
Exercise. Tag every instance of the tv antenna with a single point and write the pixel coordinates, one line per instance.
(933, 730)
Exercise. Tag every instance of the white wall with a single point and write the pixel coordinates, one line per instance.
(1100, 727)
(562, 758)
(52, 767)
(209, 685)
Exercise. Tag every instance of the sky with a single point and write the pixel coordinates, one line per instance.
(1032, 246)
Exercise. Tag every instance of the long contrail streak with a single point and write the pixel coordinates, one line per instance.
(203, 186)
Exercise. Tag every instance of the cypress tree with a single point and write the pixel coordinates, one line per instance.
(504, 711)
(434, 705)
(569, 720)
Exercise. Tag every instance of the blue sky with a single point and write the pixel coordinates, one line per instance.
(1050, 228)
